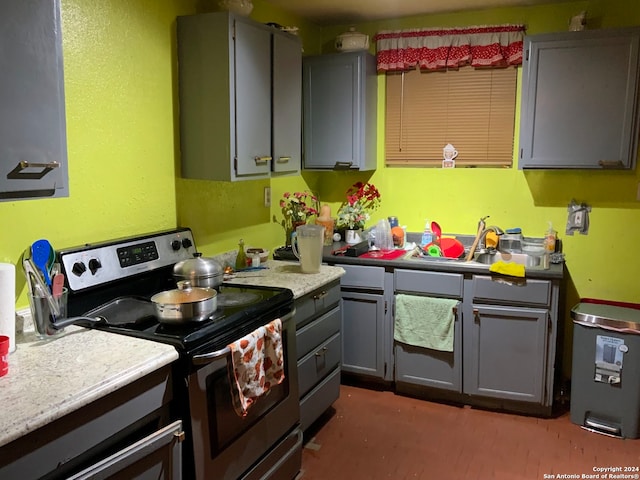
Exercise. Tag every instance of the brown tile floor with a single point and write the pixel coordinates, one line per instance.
(378, 435)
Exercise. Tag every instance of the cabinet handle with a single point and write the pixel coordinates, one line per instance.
(283, 159)
(23, 165)
(476, 315)
(321, 352)
(320, 295)
(180, 436)
(610, 163)
(262, 160)
(342, 165)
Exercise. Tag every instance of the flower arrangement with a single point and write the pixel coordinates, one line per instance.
(362, 199)
(297, 208)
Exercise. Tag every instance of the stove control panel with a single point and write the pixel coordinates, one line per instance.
(92, 265)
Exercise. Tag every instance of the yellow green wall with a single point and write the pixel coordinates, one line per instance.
(599, 264)
(123, 142)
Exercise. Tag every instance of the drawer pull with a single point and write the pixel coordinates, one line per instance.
(322, 352)
(262, 160)
(476, 315)
(320, 295)
(180, 435)
(283, 159)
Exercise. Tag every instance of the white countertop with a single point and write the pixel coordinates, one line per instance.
(49, 379)
(286, 274)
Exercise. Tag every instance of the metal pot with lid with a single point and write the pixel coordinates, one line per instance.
(199, 271)
(186, 304)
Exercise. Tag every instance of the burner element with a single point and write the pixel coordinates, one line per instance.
(234, 299)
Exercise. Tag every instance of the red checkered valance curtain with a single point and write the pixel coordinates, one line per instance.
(439, 48)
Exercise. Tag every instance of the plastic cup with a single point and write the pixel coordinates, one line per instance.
(4, 355)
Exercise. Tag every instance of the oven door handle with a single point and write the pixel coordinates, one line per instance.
(210, 357)
(206, 358)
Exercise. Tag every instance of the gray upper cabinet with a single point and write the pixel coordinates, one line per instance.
(287, 104)
(340, 105)
(228, 67)
(580, 100)
(33, 144)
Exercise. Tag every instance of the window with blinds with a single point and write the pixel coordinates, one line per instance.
(470, 108)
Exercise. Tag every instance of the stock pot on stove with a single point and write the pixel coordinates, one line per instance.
(199, 271)
(185, 304)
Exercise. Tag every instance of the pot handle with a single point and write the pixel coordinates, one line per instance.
(65, 322)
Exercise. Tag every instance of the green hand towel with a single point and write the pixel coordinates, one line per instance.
(425, 321)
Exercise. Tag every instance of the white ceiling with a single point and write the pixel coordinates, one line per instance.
(342, 12)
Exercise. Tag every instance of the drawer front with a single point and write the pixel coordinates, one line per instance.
(363, 277)
(532, 292)
(317, 302)
(319, 399)
(318, 363)
(434, 283)
(316, 332)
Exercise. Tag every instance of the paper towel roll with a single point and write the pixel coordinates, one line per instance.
(8, 303)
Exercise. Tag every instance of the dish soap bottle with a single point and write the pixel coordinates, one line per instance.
(550, 239)
(427, 235)
(241, 259)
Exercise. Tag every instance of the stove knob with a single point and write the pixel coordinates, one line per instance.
(78, 268)
(175, 245)
(186, 243)
(94, 265)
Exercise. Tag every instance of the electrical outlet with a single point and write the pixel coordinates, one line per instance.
(578, 219)
(267, 196)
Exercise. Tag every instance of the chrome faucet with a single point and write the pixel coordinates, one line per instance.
(497, 230)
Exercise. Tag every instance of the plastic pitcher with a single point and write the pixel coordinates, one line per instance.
(307, 242)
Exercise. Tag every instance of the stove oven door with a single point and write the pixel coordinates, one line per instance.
(264, 443)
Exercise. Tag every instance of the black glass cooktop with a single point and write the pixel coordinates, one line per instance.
(241, 309)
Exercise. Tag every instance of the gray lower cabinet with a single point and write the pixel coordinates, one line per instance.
(127, 434)
(240, 98)
(33, 141)
(319, 351)
(366, 322)
(340, 105)
(580, 99)
(510, 334)
(416, 365)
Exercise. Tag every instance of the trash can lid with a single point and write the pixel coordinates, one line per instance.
(610, 317)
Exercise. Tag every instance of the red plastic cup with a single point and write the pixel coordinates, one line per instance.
(4, 355)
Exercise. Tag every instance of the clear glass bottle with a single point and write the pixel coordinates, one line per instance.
(241, 258)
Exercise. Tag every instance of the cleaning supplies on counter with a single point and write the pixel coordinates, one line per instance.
(550, 239)
(427, 235)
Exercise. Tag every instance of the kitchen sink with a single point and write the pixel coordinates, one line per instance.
(519, 258)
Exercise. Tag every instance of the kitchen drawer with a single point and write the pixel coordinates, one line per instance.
(434, 283)
(319, 399)
(320, 361)
(317, 302)
(363, 277)
(316, 332)
(532, 292)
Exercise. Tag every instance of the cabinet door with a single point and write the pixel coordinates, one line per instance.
(339, 111)
(579, 100)
(287, 103)
(252, 99)
(505, 352)
(431, 368)
(363, 333)
(33, 145)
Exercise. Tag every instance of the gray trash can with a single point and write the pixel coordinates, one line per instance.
(605, 376)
